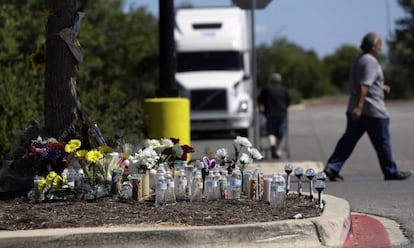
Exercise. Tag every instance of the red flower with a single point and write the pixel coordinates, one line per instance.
(36, 148)
(187, 148)
(58, 145)
(174, 140)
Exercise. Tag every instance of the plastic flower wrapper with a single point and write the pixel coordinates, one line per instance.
(108, 163)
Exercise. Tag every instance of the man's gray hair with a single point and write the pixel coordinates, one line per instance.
(369, 41)
(276, 78)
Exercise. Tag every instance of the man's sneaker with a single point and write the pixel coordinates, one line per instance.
(333, 175)
(402, 175)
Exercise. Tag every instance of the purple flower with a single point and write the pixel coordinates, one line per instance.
(208, 164)
(54, 154)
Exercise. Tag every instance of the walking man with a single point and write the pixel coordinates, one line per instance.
(275, 100)
(366, 112)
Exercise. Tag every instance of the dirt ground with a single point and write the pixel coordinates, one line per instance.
(20, 214)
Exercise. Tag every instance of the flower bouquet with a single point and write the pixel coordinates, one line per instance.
(242, 155)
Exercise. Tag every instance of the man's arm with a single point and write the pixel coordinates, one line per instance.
(387, 89)
(357, 111)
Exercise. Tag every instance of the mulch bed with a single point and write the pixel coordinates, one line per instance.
(18, 213)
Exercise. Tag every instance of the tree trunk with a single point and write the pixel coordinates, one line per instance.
(60, 84)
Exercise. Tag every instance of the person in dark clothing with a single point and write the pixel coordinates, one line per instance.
(274, 99)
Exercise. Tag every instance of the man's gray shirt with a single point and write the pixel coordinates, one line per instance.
(367, 71)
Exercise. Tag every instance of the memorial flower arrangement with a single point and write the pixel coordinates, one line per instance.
(157, 151)
(242, 155)
(97, 164)
(90, 167)
(45, 155)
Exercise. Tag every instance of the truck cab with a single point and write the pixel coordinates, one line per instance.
(213, 49)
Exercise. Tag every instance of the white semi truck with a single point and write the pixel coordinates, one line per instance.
(213, 49)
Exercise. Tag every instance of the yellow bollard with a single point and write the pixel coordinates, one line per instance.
(168, 118)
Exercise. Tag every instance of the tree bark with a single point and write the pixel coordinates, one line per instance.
(60, 83)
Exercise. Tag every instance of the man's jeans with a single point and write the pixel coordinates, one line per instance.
(379, 135)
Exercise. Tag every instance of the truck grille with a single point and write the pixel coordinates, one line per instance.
(208, 100)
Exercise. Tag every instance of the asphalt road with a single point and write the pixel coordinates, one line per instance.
(313, 133)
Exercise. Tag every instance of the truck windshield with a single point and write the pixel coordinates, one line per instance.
(207, 61)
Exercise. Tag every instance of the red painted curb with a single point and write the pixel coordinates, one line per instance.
(366, 232)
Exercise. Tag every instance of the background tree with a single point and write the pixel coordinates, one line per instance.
(119, 69)
(338, 65)
(302, 71)
(399, 73)
(22, 85)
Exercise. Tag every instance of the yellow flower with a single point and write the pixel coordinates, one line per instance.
(57, 182)
(105, 149)
(50, 177)
(81, 153)
(42, 184)
(72, 146)
(93, 156)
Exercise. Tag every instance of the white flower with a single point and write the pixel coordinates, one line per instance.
(242, 141)
(147, 157)
(244, 159)
(163, 144)
(166, 143)
(221, 154)
(152, 143)
(254, 153)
